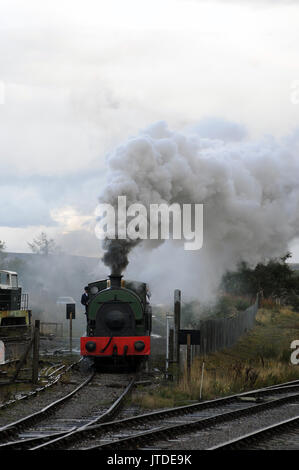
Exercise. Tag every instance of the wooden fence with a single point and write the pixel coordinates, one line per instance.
(51, 329)
(223, 333)
(15, 339)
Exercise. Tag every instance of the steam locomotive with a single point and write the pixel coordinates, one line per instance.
(119, 321)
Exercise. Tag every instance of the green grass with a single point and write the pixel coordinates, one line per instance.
(260, 358)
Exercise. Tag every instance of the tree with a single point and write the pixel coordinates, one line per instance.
(42, 245)
(274, 278)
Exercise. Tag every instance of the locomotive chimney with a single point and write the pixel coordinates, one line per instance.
(115, 280)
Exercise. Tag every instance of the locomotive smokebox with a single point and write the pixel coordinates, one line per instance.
(115, 281)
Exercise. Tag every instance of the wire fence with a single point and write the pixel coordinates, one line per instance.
(223, 333)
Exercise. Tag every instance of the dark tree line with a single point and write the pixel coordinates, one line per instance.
(274, 278)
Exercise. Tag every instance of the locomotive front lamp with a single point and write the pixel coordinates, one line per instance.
(139, 346)
(90, 346)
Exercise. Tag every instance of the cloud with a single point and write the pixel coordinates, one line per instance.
(272, 3)
(68, 218)
(220, 128)
(40, 199)
(23, 207)
(80, 77)
(79, 243)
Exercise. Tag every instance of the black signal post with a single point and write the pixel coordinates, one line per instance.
(177, 323)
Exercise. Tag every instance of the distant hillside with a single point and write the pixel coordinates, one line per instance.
(84, 261)
(64, 262)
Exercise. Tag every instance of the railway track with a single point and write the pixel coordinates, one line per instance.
(14, 427)
(161, 425)
(250, 440)
(29, 438)
(54, 379)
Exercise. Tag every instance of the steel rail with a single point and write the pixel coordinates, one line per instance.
(285, 384)
(91, 430)
(264, 433)
(10, 428)
(136, 440)
(35, 392)
(104, 417)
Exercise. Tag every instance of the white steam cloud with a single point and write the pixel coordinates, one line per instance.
(250, 192)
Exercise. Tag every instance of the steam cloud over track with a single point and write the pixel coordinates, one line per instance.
(250, 191)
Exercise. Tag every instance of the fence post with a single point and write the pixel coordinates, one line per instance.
(258, 301)
(201, 382)
(2, 353)
(189, 358)
(22, 360)
(35, 352)
(171, 335)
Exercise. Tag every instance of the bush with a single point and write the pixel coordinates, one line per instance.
(242, 304)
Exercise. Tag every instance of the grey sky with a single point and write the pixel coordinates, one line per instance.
(81, 76)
